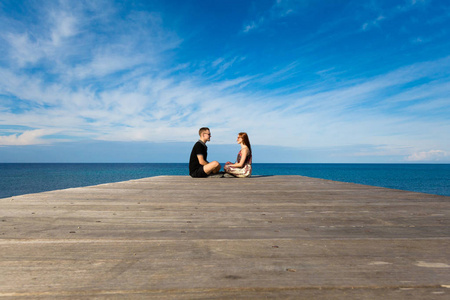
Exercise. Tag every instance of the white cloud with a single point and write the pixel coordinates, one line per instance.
(410, 4)
(23, 50)
(224, 65)
(63, 41)
(149, 102)
(280, 9)
(253, 25)
(64, 26)
(373, 23)
(391, 13)
(432, 155)
(47, 39)
(163, 107)
(29, 137)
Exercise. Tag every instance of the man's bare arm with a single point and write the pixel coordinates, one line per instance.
(201, 160)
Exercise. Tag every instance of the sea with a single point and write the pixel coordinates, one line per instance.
(25, 178)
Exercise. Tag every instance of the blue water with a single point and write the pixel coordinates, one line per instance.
(18, 178)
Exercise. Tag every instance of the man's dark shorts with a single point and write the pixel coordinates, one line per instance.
(199, 173)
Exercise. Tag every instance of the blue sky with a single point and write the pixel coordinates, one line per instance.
(309, 81)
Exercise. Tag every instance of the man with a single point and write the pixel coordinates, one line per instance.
(198, 165)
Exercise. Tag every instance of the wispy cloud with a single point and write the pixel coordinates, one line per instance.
(390, 11)
(432, 155)
(84, 72)
(63, 43)
(280, 9)
(160, 108)
(373, 23)
(29, 137)
(29, 45)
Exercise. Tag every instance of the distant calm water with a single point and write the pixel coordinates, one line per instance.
(19, 179)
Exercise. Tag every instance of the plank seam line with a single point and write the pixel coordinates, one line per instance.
(214, 290)
(98, 241)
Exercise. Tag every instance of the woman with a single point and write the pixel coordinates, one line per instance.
(243, 165)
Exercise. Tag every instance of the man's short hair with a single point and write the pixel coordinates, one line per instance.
(201, 130)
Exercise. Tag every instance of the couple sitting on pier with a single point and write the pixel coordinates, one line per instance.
(200, 167)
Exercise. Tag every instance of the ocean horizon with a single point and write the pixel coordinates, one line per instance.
(26, 178)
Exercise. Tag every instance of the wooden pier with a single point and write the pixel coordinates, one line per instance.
(273, 237)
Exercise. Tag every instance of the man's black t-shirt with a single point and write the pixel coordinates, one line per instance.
(199, 148)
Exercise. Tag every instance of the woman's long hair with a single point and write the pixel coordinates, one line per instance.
(245, 140)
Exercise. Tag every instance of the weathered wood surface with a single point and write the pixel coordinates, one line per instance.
(263, 237)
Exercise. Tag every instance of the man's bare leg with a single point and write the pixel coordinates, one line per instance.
(213, 167)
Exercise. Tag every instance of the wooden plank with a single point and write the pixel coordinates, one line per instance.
(179, 237)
